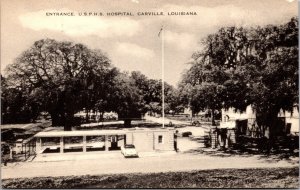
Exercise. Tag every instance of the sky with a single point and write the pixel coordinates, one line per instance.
(132, 42)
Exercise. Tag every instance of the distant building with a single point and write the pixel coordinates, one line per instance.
(245, 121)
(187, 111)
(291, 120)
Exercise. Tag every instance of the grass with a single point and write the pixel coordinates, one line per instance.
(221, 178)
(141, 124)
(9, 126)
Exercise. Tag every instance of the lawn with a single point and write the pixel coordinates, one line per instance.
(136, 123)
(225, 178)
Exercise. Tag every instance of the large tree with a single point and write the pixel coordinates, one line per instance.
(135, 95)
(60, 76)
(276, 65)
(151, 92)
(126, 99)
(201, 88)
(240, 67)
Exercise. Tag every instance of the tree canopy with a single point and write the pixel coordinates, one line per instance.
(239, 66)
(59, 77)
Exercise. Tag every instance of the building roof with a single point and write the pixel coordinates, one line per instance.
(95, 132)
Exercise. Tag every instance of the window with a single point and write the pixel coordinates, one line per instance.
(160, 139)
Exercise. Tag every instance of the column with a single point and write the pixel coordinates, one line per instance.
(84, 143)
(25, 149)
(106, 143)
(38, 145)
(153, 140)
(33, 147)
(214, 137)
(30, 149)
(10, 152)
(61, 144)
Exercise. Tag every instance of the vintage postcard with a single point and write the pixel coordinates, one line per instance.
(149, 94)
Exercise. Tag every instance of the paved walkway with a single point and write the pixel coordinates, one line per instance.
(166, 121)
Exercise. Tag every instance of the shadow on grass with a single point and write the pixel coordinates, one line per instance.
(219, 178)
(271, 157)
(279, 148)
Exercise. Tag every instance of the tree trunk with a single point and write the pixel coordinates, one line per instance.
(127, 123)
(269, 123)
(87, 119)
(213, 117)
(101, 116)
(55, 119)
(68, 122)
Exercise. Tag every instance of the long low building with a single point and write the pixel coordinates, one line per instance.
(145, 140)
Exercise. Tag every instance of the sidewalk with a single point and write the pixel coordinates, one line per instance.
(57, 157)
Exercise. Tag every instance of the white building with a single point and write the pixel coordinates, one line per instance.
(231, 116)
(145, 140)
(291, 119)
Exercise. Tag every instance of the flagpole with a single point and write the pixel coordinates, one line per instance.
(163, 74)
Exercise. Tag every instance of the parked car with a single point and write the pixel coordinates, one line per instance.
(128, 150)
(196, 123)
(186, 134)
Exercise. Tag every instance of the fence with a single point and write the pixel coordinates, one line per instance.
(29, 147)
